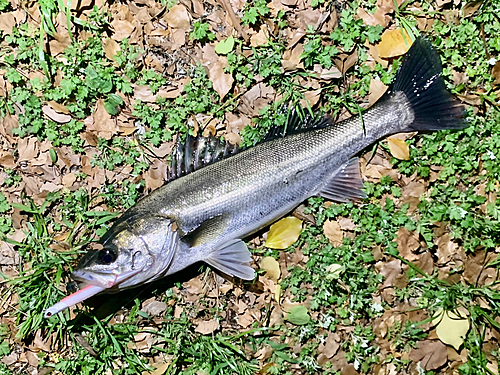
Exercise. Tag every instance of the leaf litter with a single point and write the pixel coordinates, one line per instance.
(27, 167)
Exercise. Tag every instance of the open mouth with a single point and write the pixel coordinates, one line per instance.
(89, 286)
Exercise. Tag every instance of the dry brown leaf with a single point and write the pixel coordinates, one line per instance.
(311, 97)
(291, 58)
(393, 274)
(111, 48)
(222, 82)
(377, 89)
(68, 179)
(8, 123)
(260, 38)
(7, 159)
(431, 354)
(333, 232)
(122, 29)
(407, 244)
(393, 43)
(272, 268)
(346, 61)
(155, 175)
(59, 43)
(207, 327)
(326, 74)
(246, 319)
(161, 368)
(177, 17)
(446, 249)
(28, 148)
(346, 224)
(398, 148)
(7, 22)
(495, 72)
(378, 18)
(331, 345)
(51, 113)
(101, 123)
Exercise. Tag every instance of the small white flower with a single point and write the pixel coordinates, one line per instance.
(491, 155)
(463, 213)
(492, 61)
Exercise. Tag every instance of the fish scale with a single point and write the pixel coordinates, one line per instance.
(219, 198)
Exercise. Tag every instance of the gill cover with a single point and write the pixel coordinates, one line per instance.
(141, 246)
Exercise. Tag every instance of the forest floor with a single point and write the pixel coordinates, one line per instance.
(94, 95)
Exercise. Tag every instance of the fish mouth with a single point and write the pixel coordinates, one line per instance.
(90, 284)
(103, 280)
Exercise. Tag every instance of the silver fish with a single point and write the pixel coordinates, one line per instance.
(205, 214)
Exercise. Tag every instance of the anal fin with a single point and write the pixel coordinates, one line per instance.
(346, 184)
(233, 258)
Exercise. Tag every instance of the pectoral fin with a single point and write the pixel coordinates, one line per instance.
(346, 184)
(233, 259)
(207, 231)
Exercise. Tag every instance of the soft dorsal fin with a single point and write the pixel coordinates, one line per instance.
(298, 120)
(197, 152)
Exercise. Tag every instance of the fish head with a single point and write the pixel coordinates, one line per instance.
(134, 251)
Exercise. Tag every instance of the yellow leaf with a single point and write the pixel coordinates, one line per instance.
(272, 268)
(398, 148)
(284, 233)
(393, 43)
(451, 328)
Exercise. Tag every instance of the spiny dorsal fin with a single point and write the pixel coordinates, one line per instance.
(197, 152)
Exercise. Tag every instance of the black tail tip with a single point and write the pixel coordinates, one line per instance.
(419, 78)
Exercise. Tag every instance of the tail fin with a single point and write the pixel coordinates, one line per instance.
(419, 78)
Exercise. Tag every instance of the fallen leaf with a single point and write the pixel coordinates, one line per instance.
(59, 43)
(111, 48)
(225, 46)
(7, 22)
(160, 369)
(260, 38)
(272, 268)
(395, 42)
(398, 148)
(495, 72)
(123, 29)
(346, 61)
(333, 232)
(101, 123)
(28, 148)
(377, 89)
(222, 81)
(207, 327)
(298, 315)
(331, 345)
(51, 113)
(451, 328)
(311, 97)
(284, 233)
(407, 244)
(431, 354)
(177, 17)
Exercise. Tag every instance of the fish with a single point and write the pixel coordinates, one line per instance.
(219, 195)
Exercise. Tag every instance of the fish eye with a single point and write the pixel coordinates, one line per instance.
(107, 256)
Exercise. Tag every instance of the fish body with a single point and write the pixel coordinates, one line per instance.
(205, 214)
